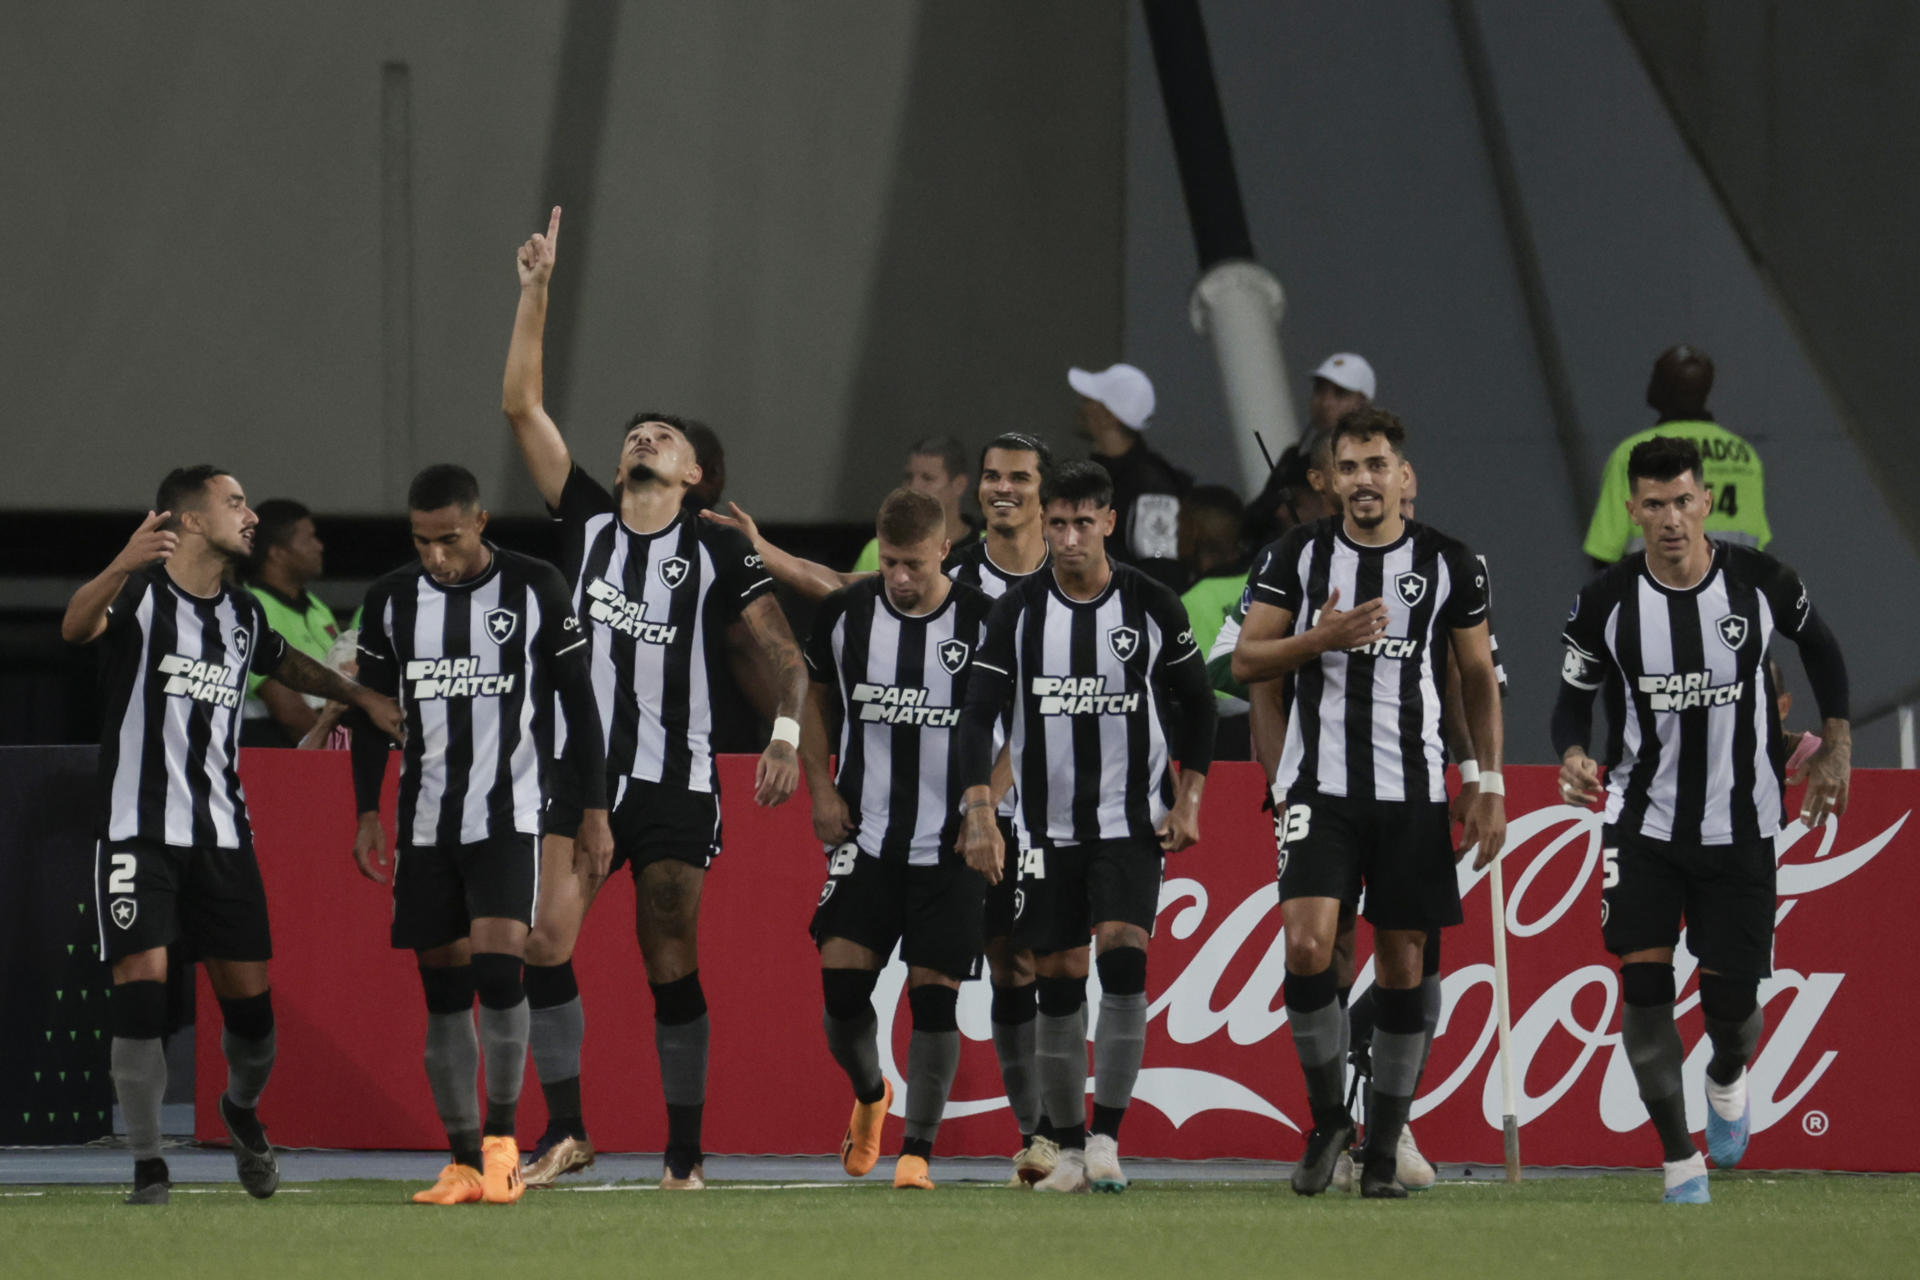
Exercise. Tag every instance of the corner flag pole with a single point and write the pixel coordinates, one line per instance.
(1509, 1119)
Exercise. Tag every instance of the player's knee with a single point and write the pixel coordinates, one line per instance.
(448, 989)
(138, 1010)
(934, 1007)
(680, 1001)
(1307, 954)
(250, 1017)
(1647, 985)
(547, 948)
(496, 979)
(848, 993)
(1061, 997)
(1725, 999)
(1123, 971)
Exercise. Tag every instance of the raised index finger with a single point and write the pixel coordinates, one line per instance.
(553, 227)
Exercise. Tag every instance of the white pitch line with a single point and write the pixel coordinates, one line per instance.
(719, 1186)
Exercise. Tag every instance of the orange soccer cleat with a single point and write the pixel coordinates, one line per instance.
(860, 1149)
(500, 1181)
(458, 1184)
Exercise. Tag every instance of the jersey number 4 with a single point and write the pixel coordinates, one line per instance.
(1033, 864)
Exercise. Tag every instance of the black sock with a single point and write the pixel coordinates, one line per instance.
(500, 1118)
(1106, 1120)
(465, 1149)
(683, 1137)
(922, 1147)
(149, 1171)
(563, 1107)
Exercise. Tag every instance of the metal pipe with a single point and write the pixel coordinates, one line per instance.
(1239, 304)
(1905, 722)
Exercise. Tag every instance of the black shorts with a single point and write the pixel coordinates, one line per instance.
(1725, 892)
(1067, 889)
(440, 890)
(1399, 851)
(1000, 897)
(933, 912)
(151, 894)
(650, 822)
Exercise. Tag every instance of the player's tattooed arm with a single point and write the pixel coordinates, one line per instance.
(302, 674)
(86, 615)
(809, 578)
(831, 822)
(1828, 773)
(522, 391)
(1485, 822)
(779, 769)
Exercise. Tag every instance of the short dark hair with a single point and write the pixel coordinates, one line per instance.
(1680, 383)
(1079, 483)
(952, 454)
(183, 487)
(1664, 458)
(707, 448)
(908, 517)
(1365, 423)
(444, 484)
(1215, 498)
(1020, 442)
(278, 518)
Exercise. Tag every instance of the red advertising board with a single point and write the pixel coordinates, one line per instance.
(1220, 1076)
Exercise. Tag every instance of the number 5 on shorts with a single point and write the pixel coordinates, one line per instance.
(120, 879)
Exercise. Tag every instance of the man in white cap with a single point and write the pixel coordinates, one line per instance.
(1116, 405)
(1343, 382)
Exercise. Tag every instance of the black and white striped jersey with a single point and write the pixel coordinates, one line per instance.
(656, 607)
(1092, 685)
(1698, 738)
(174, 677)
(900, 682)
(473, 668)
(1366, 722)
(972, 565)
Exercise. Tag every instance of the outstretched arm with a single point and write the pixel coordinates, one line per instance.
(303, 675)
(522, 393)
(809, 578)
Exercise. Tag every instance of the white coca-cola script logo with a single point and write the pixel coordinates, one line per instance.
(1549, 1026)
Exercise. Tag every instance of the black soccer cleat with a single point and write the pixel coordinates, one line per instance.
(252, 1154)
(151, 1182)
(1378, 1180)
(1324, 1145)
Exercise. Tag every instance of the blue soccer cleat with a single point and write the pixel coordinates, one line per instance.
(1727, 1139)
(1686, 1181)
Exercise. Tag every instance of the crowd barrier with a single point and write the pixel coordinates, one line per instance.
(1220, 1076)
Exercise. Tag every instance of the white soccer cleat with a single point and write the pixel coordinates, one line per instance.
(1344, 1176)
(1411, 1169)
(1034, 1161)
(1069, 1173)
(1103, 1163)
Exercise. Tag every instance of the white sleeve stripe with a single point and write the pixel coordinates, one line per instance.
(755, 587)
(1261, 586)
(1183, 657)
(570, 648)
(988, 666)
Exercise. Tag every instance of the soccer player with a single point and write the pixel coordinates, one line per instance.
(1012, 468)
(659, 592)
(894, 652)
(1695, 801)
(175, 859)
(1362, 771)
(477, 643)
(1086, 657)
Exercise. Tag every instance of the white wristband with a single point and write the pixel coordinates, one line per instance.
(785, 729)
(1492, 784)
(1469, 772)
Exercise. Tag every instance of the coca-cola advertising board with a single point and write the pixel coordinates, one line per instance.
(1220, 1077)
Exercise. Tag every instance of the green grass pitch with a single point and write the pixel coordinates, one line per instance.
(1760, 1225)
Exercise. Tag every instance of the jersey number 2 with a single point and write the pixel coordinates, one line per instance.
(120, 879)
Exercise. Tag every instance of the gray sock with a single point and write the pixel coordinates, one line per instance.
(139, 1069)
(1118, 1045)
(683, 1061)
(851, 1042)
(249, 1063)
(1733, 1045)
(1320, 1038)
(932, 1058)
(555, 1035)
(1655, 1053)
(453, 1062)
(503, 1039)
(1013, 1045)
(1430, 1000)
(1397, 1056)
(1060, 1055)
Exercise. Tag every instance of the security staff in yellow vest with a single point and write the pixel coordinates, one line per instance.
(1682, 377)
(286, 560)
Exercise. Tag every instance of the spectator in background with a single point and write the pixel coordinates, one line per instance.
(1343, 382)
(1115, 406)
(287, 559)
(936, 467)
(711, 456)
(1677, 392)
(1216, 563)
